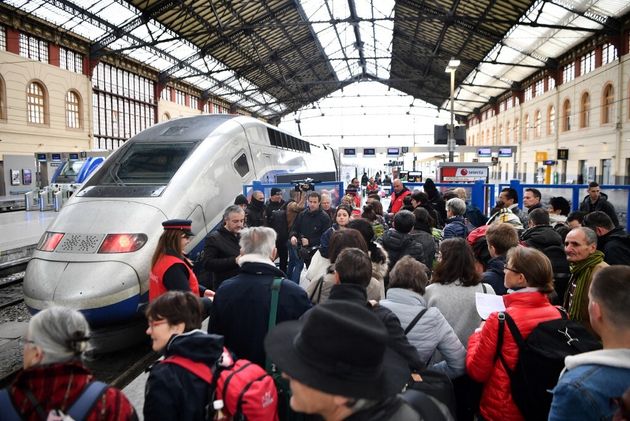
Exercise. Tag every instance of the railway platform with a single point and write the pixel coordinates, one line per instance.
(19, 233)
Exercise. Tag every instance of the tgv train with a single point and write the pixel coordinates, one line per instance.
(96, 255)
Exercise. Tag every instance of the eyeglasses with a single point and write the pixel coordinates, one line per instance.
(506, 267)
(154, 323)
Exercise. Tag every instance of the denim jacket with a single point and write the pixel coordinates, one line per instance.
(588, 383)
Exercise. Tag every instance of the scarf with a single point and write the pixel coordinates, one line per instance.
(582, 272)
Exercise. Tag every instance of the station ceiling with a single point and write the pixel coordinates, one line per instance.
(273, 57)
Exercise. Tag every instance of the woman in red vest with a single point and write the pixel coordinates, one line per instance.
(171, 270)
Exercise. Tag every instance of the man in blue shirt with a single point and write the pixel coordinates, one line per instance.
(591, 381)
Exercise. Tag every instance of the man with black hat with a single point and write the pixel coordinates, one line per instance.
(339, 365)
(255, 213)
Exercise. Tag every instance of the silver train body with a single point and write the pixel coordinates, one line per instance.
(189, 168)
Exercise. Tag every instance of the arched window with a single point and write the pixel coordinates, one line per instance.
(607, 104)
(585, 109)
(36, 103)
(516, 129)
(500, 140)
(566, 116)
(526, 127)
(494, 136)
(537, 124)
(551, 120)
(73, 110)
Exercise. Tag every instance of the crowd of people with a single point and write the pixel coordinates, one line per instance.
(365, 300)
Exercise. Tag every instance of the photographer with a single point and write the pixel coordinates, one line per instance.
(306, 233)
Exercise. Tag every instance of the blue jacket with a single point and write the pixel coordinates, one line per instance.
(241, 307)
(588, 383)
(494, 275)
(455, 227)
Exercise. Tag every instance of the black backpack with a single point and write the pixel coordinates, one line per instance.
(541, 359)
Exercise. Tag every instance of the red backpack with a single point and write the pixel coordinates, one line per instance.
(247, 391)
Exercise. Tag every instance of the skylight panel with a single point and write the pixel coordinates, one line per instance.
(114, 12)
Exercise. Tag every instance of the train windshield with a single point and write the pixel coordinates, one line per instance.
(143, 169)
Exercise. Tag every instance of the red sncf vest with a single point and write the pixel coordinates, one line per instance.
(156, 278)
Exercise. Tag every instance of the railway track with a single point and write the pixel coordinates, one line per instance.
(11, 293)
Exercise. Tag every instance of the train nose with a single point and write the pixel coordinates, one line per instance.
(105, 292)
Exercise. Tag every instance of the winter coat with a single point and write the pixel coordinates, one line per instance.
(219, 255)
(394, 408)
(240, 311)
(428, 246)
(320, 293)
(456, 302)
(455, 227)
(602, 204)
(396, 200)
(547, 240)
(398, 245)
(379, 269)
(270, 207)
(475, 216)
(616, 247)
(255, 214)
(432, 332)
(528, 309)
(174, 393)
(588, 383)
(58, 386)
(494, 275)
(397, 339)
(324, 241)
(310, 225)
(582, 306)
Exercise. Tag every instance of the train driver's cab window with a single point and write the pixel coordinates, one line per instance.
(241, 166)
(140, 165)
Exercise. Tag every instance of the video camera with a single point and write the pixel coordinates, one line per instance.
(305, 185)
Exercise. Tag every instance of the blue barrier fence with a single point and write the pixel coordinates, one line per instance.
(484, 195)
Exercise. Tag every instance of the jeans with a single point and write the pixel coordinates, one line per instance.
(295, 264)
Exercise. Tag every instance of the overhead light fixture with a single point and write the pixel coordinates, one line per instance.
(453, 64)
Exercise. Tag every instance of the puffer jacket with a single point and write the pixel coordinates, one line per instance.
(432, 332)
(455, 227)
(547, 240)
(174, 393)
(428, 246)
(528, 308)
(494, 274)
(398, 245)
(616, 247)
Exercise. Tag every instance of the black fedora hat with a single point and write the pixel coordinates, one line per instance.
(183, 225)
(340, 348)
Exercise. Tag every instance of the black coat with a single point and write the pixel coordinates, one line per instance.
(310, 225)
(174, 393)
(219, 255)
(398, 245)
(397, 338)
(602, 204)
(616, 247)
(549, 241)
(240, 311)
(270, 207)
(255, 214)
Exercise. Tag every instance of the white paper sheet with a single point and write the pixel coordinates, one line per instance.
(488, 303)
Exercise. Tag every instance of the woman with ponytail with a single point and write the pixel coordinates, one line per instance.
(54, 376)
(377, 254)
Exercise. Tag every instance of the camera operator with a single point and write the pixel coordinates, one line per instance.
(306, 233)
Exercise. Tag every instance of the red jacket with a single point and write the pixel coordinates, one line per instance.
(527, 309)
(156, 278)
(397, 200)
(50, 384)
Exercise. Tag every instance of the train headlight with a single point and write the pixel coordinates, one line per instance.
(49, 241)
(122, 243)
